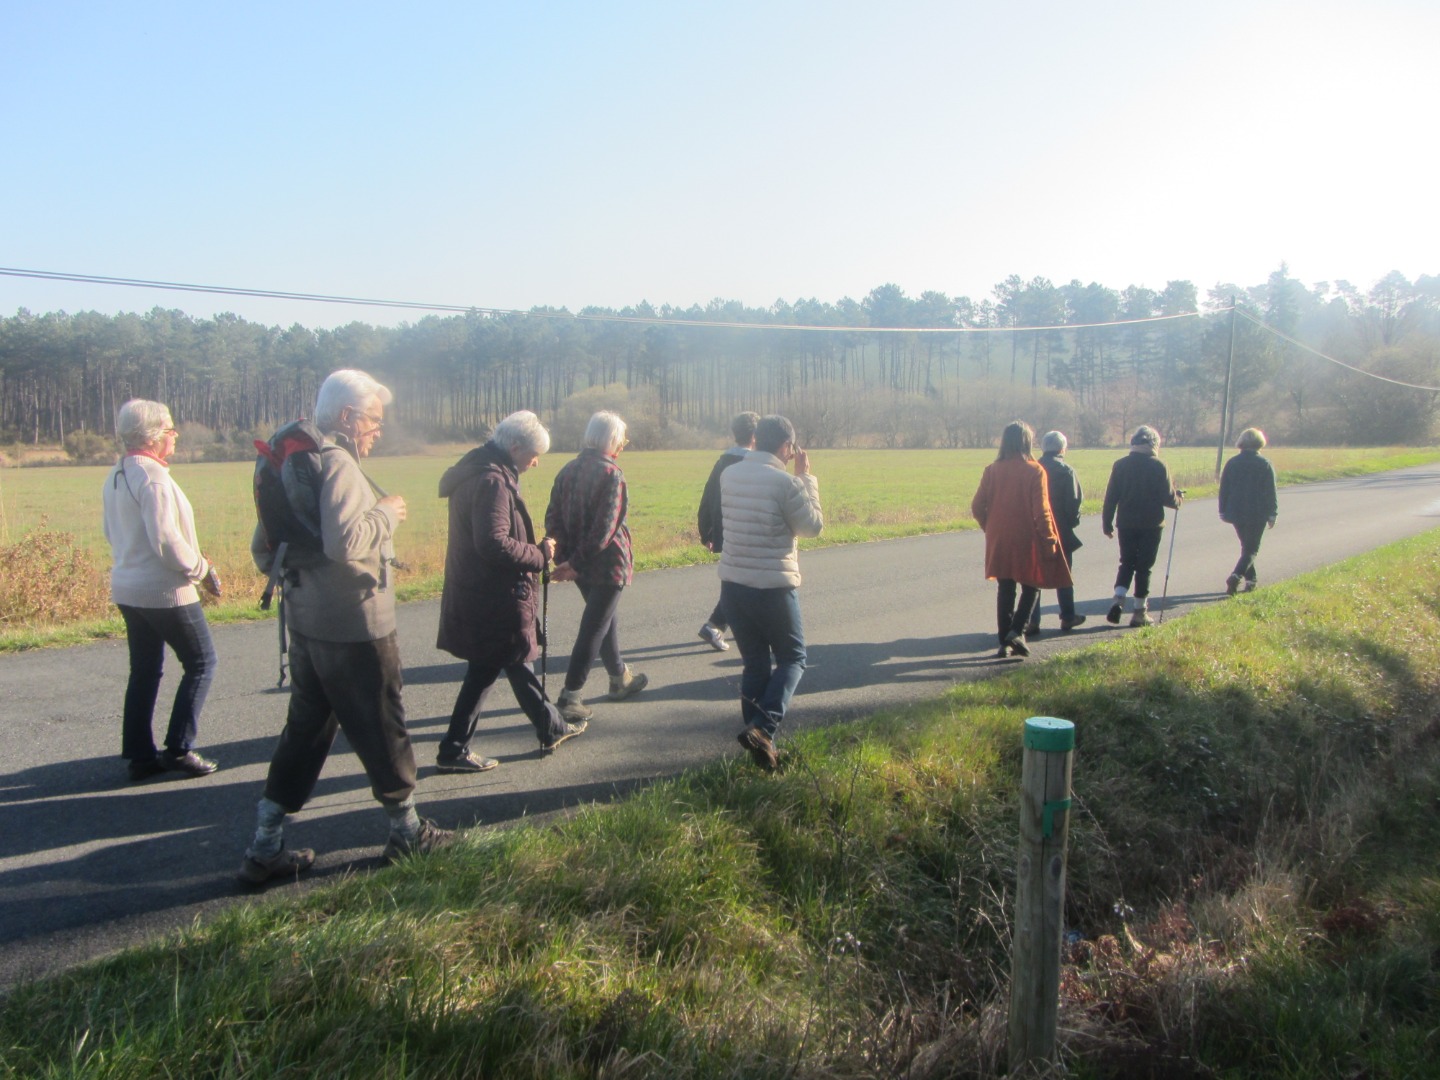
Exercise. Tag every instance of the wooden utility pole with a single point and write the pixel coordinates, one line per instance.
(1225, 401)
(1040, 889)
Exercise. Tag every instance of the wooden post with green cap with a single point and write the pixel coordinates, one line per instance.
(1040, 888)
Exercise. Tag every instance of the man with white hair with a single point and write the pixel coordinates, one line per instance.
(344, 657)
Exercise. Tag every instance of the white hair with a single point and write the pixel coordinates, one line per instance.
(1054, 442)
(140, 422)
(347, 388)
(521, 431)
(605, 431)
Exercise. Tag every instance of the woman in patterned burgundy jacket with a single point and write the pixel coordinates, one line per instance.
(586, 519)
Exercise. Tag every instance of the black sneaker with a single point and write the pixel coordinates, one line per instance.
(1116, 610)
(570, 731)
(1016, 643)
(287, 862)
(188, 764)
(467, 762)
(1071, 623)
(1232, 584)
(431, 837)
(144, 769)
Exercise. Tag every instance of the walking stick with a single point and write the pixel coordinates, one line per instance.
(544, 625)
(1174, 528)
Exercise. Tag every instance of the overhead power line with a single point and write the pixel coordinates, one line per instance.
(1338, 363)
(645, 320)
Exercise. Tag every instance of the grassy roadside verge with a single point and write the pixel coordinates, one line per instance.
(1254, 876)
(54, 589)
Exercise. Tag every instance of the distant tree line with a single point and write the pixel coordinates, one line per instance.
(62, 376)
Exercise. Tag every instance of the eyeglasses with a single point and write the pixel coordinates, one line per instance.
(376, 424)
(171, 431)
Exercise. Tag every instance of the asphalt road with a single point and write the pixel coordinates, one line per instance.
(90, 863)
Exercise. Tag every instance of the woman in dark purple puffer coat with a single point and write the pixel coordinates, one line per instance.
(492, 588)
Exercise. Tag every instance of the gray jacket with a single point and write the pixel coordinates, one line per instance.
(347, 595)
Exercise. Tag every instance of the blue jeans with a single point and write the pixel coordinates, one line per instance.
(147, 632)
(766, 626)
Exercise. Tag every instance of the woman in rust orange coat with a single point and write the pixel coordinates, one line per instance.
(1022, 544)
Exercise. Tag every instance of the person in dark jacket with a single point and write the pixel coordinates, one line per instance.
(1248, 502)
(586, 516)
(1065, 499)
(492, 588)
(710, 522)
(1135, 501)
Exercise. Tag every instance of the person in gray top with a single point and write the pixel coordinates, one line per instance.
(1248, 502)
(344, 656)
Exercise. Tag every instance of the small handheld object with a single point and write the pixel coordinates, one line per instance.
(211, 583)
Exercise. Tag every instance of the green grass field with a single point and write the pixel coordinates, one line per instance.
(1253, 884)
(867, 495)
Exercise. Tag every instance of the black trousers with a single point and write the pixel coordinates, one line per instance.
(352, 687)
(599, 635)
(1011, 617)
(1250, 534)
(480, 678)
(1138, 548)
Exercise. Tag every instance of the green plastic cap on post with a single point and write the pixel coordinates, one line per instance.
(1049, 734)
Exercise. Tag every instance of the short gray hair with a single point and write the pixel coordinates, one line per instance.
(347, 388)
(521, 431)
(605, 431)
(773, 432)
(140, 422)
(1054, 442)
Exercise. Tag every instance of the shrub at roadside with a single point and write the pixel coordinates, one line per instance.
(46, 579)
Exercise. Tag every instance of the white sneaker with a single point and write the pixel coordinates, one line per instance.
(714, 638)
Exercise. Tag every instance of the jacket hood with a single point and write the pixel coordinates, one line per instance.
(481, 459)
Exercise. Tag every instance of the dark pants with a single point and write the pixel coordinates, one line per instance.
(1064, 597)
(353, 687)
(147, 632)
(717, 617)
(599, 635)
(470, 703)
(1138, 548)
(767, 628)
(1009, 616)
(1250, 534)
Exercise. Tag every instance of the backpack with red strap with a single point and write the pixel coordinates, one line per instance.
(287, 503)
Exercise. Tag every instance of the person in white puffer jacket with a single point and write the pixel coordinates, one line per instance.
(764, 510)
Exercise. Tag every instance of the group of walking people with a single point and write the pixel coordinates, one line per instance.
(1029, 511)
(339, 600)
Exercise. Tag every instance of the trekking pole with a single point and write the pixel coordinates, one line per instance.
(1174, 528)
(544, 625)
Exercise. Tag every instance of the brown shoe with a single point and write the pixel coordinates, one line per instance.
(761, 748)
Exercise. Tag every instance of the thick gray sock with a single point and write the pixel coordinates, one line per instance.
(404, 819)
(269, 830)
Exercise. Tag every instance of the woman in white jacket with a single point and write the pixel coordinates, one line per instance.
(157, 566)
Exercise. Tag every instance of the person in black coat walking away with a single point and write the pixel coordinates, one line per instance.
(1065, 499)
(1248, 502)
(1135, 501)
(492, 588)
(710, 522)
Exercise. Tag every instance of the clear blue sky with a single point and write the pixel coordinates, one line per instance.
(509, 155)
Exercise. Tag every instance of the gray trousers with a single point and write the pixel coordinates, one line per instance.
(352, 687)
